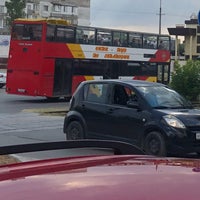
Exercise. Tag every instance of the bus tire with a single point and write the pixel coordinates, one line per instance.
(74, 131)
(154, 144)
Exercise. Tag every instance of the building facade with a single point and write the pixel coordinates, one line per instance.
(75, 11)
(191, 33)
(3, 28)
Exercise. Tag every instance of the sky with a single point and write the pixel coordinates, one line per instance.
(142, 15)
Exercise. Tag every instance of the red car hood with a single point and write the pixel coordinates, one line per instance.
(102, 177)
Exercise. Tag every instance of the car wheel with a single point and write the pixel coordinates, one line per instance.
(74, 131)
(154, 144)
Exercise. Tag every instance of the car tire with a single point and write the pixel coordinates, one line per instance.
(154, 144)
(74, 131)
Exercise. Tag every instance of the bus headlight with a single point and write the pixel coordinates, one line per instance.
(173, 121)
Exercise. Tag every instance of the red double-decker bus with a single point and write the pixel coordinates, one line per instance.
(50, 57)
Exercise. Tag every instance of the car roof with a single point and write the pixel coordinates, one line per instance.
(125, 81)
(102, 177)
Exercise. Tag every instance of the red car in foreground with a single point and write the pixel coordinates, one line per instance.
(106, 177)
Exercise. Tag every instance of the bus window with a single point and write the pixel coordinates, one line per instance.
(65, 34)
(164, 42)
(50, 36)
(150, 41)
(104, 37)
(27, 32)
(120, 39)
(135, 40)
(85, 35)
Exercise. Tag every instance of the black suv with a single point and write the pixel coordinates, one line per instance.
(149, 115)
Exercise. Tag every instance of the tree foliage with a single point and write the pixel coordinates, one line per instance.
(15, 9)
(186, 79)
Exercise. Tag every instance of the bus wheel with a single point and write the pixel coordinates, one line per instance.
(67, 99)
(154, 144)
(74, 131)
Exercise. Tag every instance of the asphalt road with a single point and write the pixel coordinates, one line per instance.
(34, 119)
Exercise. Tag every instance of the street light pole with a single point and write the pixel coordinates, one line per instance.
(160, 14)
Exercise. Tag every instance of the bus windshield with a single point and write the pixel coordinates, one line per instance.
(27, 32)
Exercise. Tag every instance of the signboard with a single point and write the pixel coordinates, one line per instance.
(4, 45)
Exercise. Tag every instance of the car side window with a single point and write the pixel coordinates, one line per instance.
(94, 92)
(123, 94)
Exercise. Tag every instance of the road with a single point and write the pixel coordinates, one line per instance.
(21, 121)
(29, 120)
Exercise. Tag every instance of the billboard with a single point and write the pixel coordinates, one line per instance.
(4, 45)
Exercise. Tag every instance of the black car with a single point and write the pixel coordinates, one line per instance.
(149, 115)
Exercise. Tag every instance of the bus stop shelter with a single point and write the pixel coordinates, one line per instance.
(182, 31)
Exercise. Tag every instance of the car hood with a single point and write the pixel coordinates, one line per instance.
(102, 177)
(189, 117)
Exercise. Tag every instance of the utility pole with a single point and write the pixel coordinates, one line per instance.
(160, 17)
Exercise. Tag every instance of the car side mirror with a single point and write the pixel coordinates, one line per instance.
(133, 104)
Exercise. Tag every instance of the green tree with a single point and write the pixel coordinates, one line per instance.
(186, 79)
(15, 9)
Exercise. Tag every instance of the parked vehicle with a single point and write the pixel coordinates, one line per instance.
(149, 115)
(127, 175)
(2, 79)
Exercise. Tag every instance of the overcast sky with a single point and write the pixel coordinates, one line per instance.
(142, 15)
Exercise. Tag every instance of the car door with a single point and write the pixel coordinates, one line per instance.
(125, 123)
(94, 108)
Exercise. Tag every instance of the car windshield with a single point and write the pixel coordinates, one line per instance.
(163, 97)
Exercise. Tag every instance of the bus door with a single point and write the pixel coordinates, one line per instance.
(62, 77)
(163, 73)
(111, 70)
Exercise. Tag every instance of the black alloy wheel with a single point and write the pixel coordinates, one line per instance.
(154, 144)
(74, 131)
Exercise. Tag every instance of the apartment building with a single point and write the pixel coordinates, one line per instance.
(75, 11)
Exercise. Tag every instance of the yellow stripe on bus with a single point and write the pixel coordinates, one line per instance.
(88, 78)
(151, 79)
(76, 50)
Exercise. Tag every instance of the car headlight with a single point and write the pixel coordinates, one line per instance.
(173, 121)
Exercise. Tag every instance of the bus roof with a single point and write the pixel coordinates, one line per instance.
(49, 20)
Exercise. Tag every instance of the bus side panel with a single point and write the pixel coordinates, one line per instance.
(57, 50)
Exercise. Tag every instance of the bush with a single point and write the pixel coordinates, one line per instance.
(186, 79)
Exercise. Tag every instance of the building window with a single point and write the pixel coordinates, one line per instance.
(57, 8)
(198, 39)
(198, 49)
(1, 9)
(1, 23)
(45, 8)
(198, 29)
